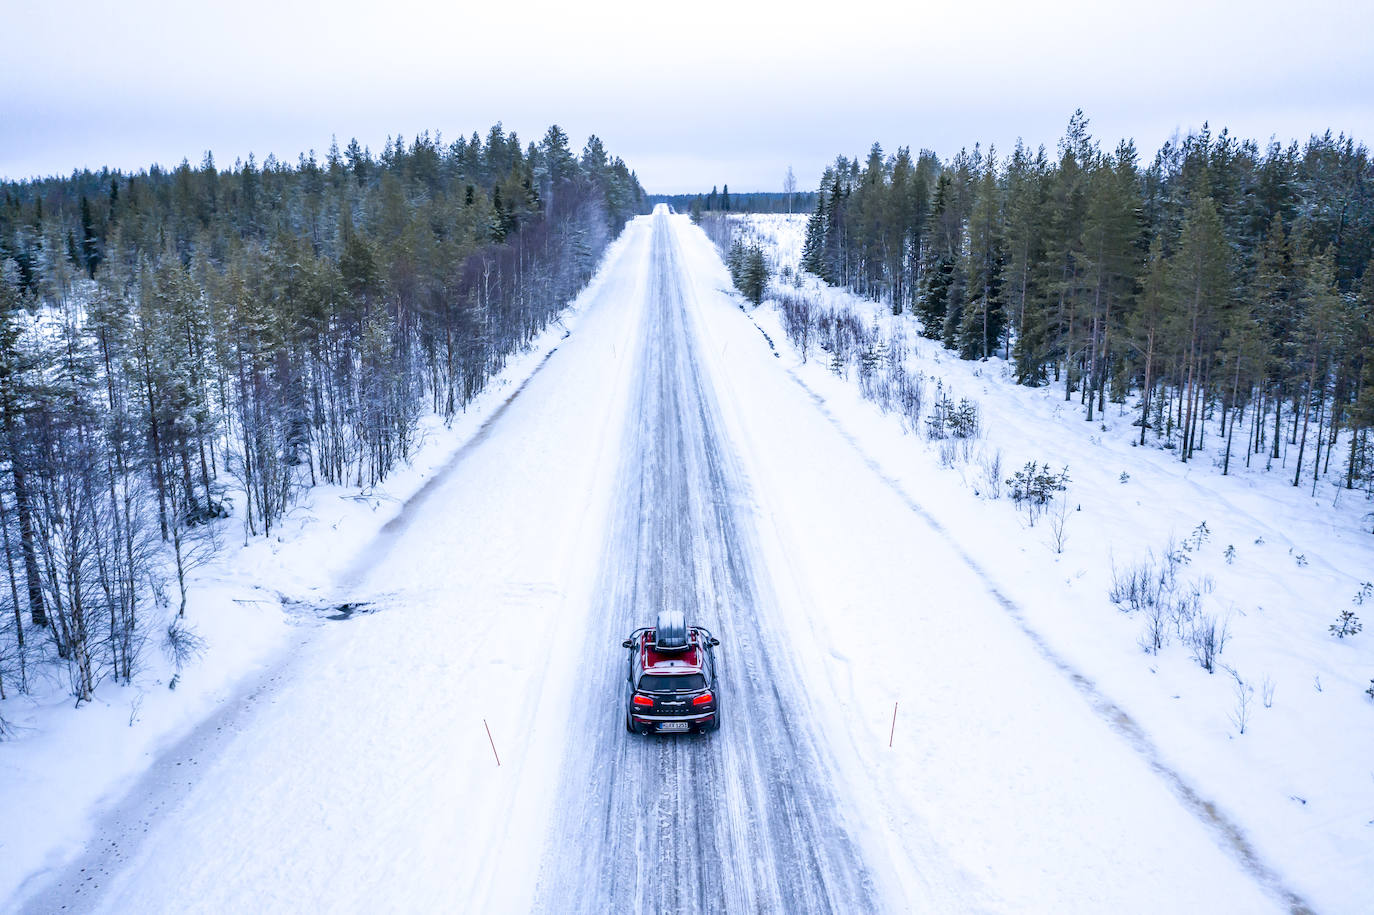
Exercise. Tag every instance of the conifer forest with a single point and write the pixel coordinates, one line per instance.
(1221, 286)
(331, 488)
(174, 341)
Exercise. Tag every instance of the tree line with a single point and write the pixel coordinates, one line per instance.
(180, 345)
(726, 202)
(1226, 285)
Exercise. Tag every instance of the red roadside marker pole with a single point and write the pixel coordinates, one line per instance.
(894, 726)
(492, 742)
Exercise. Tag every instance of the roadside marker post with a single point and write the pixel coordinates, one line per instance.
(492, 742)
(893, 732)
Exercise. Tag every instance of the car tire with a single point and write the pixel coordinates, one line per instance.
(628, 725)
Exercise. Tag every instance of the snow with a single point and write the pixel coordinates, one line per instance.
(261, 608)
(1039, 760)
(1298, 782)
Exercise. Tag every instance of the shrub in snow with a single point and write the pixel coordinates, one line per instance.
(963, 421)
(1240, 715)
(1230, 553)
(935, 422)
(1346, 624)
(955, 451)
(1058, 521)
(1033, 487)
(875, 384)
(908, 396)
(992, 474)
(1207, 640)
(1142, 585)
(181, 645)
(1155, 588)
(844, 335)
(1363, 594)
(1124, 478)
(1197, 538)
(1156, 634)
(798, 319)
(948, 419)
(1370, 692)
(1184, 609)
(872, 355)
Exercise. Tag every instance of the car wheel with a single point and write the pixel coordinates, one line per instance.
(628, 725)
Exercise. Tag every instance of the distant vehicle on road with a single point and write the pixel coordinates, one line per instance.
(671, 678)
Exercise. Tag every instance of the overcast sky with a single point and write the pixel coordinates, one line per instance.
(691, 93)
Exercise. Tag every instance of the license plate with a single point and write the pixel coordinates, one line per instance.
(673, 726)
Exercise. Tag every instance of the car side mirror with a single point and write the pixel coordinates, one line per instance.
(628, 643)
(714, 641)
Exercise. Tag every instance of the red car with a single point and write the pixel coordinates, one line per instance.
(671, 678)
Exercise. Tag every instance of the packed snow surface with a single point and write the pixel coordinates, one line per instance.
(662, 455)
(1289, 770)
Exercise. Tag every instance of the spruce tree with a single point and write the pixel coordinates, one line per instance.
(938, 272)
(813, 247)
(980, 328)
(1201, 299)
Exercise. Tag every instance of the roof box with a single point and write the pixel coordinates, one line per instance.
(671, 632)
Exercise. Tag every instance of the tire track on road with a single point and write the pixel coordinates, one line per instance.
(746, 819)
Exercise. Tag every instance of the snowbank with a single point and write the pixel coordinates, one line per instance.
(256, 604)
(1280, 736)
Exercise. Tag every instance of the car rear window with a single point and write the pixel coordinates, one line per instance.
(666, 683)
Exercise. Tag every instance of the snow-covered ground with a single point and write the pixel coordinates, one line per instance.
(1037, 762)
(1274, 563)
(257, 606)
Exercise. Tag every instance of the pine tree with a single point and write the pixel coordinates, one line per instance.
(1147, 326)
(1201, 298)
(1360, 417)
(835, 257)
(1273, 296)
(1062, 279)
(16, 367)
(984, 316)
(938, 273)
(90, 244)
(1111, 237)
(1319, 336)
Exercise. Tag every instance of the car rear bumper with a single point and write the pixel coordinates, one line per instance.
(669, 724)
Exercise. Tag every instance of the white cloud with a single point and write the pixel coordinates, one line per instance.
(690, 94)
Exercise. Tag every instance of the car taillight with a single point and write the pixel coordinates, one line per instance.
(702, 699)
(643, 700)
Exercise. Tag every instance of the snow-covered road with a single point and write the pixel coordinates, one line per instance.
(748, 819)
(662, 454)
